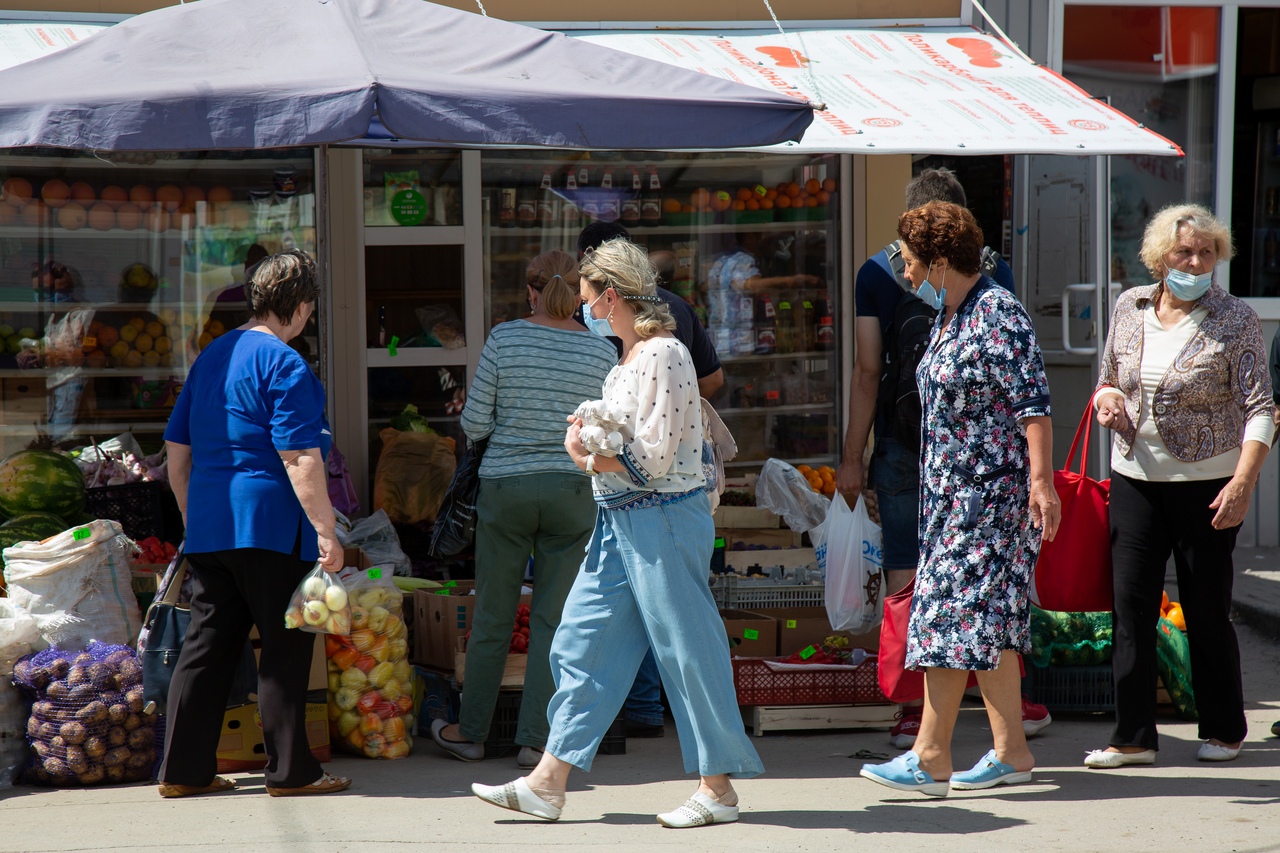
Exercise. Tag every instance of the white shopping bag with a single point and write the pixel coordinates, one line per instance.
(850, 558)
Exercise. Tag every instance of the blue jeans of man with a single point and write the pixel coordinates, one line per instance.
(645, 576)
(644, 702)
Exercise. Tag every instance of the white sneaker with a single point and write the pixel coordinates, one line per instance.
(698, 810)
(1103, 760)
(1217, 752)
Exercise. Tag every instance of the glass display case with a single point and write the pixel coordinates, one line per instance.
(749, 240)
(117, 270)
(1265, 260)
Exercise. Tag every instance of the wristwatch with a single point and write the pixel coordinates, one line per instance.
(591, 465)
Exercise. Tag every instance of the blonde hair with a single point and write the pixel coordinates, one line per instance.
(1161, 235)
(554, 275)
(625, 267)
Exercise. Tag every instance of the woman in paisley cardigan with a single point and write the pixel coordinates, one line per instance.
(1184, 387)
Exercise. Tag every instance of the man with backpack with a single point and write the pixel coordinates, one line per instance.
(891, 333)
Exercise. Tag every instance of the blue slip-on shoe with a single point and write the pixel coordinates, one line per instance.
(987, 773)
(904, 774)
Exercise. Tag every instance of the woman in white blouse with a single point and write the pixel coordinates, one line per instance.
(1184, 387)
(645, 571)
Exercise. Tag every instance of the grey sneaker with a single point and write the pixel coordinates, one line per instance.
(529, 757)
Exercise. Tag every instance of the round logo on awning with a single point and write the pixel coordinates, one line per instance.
(1087, 124)
(882, 122)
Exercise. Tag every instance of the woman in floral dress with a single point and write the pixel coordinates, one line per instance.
(987, 497)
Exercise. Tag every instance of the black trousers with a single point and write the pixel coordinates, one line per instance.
(233, 591)
(1148, 521)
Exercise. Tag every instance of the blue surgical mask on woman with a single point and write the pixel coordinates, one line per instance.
(931, 296)
(1188, 287)
(600, 326)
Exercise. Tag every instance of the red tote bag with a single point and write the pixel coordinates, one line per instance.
(1074, 570)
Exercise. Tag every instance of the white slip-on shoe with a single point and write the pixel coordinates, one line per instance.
(1217, 752)
(1102, 760)
(518, 797)
(698, 810)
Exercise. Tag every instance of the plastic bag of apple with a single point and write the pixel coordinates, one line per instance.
(370, 681)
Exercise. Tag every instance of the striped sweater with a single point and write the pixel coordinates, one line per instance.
(530, 378)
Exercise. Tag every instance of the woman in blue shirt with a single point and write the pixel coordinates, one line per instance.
(248, 439)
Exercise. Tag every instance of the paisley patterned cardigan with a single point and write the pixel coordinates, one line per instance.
(1217, 384)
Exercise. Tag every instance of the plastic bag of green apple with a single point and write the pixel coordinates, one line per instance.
(320, 605)
(371, 685)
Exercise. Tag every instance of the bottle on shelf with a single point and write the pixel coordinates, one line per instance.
(651, 199)
(786, 324)
(824, 333)
(766, 326)
(804, 325)
(527, 200)
(610, 207)
(570, 213)
(629, 214)
(771, 386)
(591, 201)
(508, 193)
(548, 201)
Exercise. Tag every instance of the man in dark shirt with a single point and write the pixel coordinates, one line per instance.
(895, 470)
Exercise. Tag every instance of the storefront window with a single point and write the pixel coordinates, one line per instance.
(1158, 64)
(749, 240)
(411, 187)
(117, 270)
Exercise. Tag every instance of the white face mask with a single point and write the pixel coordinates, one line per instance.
(931, 296)
(1186, 286)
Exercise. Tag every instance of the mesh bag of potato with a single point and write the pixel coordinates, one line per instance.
(87, 724)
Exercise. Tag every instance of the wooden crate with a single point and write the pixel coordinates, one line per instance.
(792, 718)
(512, 672)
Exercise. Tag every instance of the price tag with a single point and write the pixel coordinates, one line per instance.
(391, 347)
(375, 574)
(89, 342)
(750, 634)
(791, 623)
(82, 533)
(723, 196)
(439, 592)
(450, 584)
(808, 652)
(761, 191)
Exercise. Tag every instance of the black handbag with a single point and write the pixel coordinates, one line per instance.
(455, 526)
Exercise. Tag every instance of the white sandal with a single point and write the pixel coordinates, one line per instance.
(518, 797)
(699, 810)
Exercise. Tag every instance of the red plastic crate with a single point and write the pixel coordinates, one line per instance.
(757, 684)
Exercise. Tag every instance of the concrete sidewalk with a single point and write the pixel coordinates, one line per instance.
(1257, 589)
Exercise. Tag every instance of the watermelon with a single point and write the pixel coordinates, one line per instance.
(40, 481)
(30, 527)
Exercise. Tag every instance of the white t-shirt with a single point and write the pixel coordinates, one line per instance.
(657, 391)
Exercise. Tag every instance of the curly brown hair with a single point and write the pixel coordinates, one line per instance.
(940, 229)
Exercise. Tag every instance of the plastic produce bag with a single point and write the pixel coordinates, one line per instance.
(77, 586)
(87, 724)
(371, 684)
(379, 540)
(784, 490)
(18, 634)
(414, 470)
(850, 558)
(1070, 639)
(1173, 662)
(455, 526)
(319, 605)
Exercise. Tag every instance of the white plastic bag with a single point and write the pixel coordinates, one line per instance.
(850, 559)
(77, 586)
(784, 490)
(18, 634)
(377, 536)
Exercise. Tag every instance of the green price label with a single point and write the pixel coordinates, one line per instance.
(791, 623)
(439, 592)
(761, 191)
(391, 347)
(808, 652)
(82, 533)
(450, 584)
(374, 574)
(408, 207)
(750, 634)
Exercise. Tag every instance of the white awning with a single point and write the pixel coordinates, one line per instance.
(926, 91)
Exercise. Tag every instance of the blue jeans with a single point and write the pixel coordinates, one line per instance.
(895, 475)
(645, 574)
(644, 702)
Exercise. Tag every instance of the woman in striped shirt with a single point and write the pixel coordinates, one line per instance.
(533, 373)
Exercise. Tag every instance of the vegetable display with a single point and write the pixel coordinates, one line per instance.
(370, 680)
(40, 481)
(87, 723)
(30, 527)
(410, 421)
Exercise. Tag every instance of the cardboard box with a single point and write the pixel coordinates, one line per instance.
(799, 627)
(512, 672)
(240, 746)
(24, 400)
(745, 516)
(750, 634)
(440, 618)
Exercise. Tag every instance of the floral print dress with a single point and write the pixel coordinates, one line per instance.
(982, 374)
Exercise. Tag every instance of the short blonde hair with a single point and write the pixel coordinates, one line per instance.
(625, 267)
(1161, 235)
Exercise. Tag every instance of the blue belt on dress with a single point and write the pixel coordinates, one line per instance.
(974, 508)
(644, 500)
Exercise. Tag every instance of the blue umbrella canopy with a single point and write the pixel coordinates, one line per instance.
(273, 73)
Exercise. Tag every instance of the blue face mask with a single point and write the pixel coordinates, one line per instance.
(1188, 287)
(600, 326)
(930, 296)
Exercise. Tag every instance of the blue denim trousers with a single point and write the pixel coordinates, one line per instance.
(644, 702)
(645, 575)
(895, 475)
